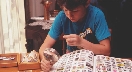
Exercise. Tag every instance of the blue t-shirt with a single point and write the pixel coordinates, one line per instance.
(94, 28)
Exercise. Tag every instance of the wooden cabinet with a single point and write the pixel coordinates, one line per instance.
(35, 36)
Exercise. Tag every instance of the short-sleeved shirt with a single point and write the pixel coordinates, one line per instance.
(94, 28)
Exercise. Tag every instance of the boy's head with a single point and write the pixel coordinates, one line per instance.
(71, 4)
(75, 10)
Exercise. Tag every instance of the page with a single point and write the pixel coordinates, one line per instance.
(111, 64)
(76, 61)
(105, 64)
(123, 65)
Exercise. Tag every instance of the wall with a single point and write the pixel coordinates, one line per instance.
(37, 9)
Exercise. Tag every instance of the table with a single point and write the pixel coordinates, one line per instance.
(15, 69)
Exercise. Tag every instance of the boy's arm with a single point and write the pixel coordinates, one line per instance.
(102, 48)
(48, 43)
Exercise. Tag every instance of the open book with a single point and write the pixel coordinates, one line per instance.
(85, 61)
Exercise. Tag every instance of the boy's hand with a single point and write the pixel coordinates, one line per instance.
(73, 39)
(46, 65)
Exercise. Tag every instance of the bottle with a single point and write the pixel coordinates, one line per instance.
(46, 4)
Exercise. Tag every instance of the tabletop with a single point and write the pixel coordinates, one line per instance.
(15, 69)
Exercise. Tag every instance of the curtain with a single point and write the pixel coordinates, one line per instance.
(12, 23)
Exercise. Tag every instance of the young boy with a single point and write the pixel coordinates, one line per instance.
(83, 25)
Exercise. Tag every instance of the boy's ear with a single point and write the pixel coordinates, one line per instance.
(87, 4)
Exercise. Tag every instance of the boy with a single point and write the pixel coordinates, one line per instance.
(84, 26)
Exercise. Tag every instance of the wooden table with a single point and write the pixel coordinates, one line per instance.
(15, 69)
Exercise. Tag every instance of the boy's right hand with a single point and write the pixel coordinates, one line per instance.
(46, 65)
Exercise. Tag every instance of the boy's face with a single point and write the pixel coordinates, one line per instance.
(77, 14)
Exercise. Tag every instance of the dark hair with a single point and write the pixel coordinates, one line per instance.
(71, 4)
